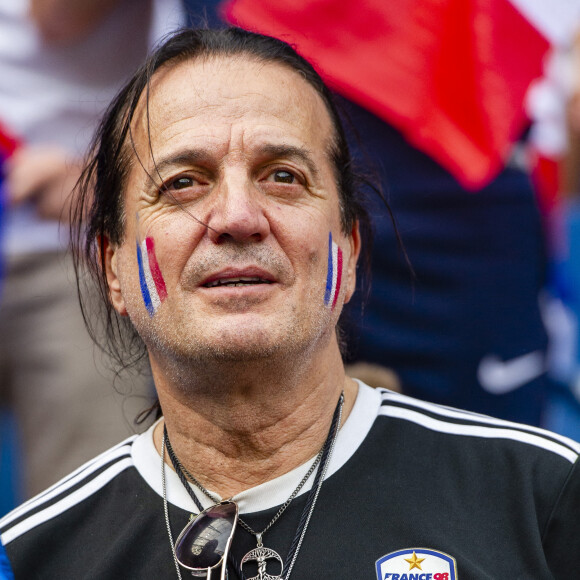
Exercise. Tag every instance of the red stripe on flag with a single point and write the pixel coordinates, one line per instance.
(155, 270)
(546, 179)
(8, 143)
(338, 277)
(452, 75)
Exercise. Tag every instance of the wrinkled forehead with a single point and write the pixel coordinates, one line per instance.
(230, 101)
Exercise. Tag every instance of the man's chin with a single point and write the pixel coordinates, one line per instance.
(205, 356)
(221, 347)
(254, 339)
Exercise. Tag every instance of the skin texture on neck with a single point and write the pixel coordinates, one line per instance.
(254, 430)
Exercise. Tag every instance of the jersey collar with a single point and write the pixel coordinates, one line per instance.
(276, 491)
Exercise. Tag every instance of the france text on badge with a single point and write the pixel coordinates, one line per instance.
(416, 564)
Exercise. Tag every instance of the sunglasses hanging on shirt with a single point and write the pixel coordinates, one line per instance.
(204, 543)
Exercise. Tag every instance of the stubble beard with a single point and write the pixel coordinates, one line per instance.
(187, 345)
(199, 342)
(188, 354)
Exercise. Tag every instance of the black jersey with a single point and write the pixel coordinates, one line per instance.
(414, 491)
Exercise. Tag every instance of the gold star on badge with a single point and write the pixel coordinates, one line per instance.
(414, 562)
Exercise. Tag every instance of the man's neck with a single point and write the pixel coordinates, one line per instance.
(245, 426)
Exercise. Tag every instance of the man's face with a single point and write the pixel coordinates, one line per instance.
(230, 258)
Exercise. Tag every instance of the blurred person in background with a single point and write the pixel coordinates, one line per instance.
(61, 62)
(8, 473)
(554, 105)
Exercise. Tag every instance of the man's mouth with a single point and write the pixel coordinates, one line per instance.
(241, 281)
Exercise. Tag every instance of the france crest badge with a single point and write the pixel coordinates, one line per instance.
(416, 564)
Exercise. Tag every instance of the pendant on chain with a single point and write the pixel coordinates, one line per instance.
(261, 555)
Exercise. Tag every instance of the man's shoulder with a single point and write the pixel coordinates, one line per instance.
(78, 489)
(424, 420)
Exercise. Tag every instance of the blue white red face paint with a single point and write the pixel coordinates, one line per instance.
(334, 276)
(151, 280)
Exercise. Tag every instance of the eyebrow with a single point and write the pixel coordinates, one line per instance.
(177, 159)
(190, 155)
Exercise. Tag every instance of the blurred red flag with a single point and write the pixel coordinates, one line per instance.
(452, 75)
(8, 142)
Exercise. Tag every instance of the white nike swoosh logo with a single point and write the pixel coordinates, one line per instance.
(499, 377)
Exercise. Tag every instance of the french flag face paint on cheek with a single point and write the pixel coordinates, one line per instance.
(334, 276)
(151, 280)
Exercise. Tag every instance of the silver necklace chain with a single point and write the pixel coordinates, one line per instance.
(166, 508)
(244, 525)
(278, 513)
(322, 477)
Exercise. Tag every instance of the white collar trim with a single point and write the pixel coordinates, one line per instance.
(271, 493)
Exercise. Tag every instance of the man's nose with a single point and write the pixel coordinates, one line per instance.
(237, 212)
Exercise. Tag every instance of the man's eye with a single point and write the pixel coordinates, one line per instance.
(181, 183)
(283, 177)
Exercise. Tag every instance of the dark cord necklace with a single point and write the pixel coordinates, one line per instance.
(321, 460)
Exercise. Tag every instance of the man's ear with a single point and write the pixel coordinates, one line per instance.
(109, 257)
(355, 246)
